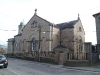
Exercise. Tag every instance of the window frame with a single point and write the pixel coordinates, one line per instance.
(80, 45)
(17, 46)
(34, 24)
(33, 45)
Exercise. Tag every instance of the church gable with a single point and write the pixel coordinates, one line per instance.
(31, 29)
(79, 27)
(35, 21)
(79, 35)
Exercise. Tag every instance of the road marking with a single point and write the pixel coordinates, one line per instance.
(13, 71)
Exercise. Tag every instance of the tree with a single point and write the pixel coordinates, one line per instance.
(2, 51)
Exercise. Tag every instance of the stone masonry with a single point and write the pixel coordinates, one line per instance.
(39, 34)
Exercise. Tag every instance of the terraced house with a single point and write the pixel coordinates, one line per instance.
(40, 35)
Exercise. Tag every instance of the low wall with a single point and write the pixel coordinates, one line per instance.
(95, 57)
(42, 59)
(48, 60)
(77, 63)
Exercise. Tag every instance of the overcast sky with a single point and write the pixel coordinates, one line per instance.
(12, 12)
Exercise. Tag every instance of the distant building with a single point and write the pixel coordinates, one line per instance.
(40, 34)
(2, 51)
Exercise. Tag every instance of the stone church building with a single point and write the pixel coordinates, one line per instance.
(43, 36)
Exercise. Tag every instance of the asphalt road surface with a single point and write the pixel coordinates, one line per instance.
(24, 67)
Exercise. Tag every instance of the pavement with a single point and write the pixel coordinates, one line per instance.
(93, 68)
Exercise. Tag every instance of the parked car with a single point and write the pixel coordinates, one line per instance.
(3, 61)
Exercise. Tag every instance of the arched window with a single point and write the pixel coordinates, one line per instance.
(33, 45)
(80, 45)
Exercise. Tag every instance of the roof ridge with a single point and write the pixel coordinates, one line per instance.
(44, 19)
(69, 24)
(68, 21)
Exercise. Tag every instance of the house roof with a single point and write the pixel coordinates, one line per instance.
(51, 24)
(44, 20)
(40, 18)
(66, 24)
(11, 40)
(96, 14)
(18, 35)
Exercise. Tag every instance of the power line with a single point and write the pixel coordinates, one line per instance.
(9, 16)
(60, 18)
(90, 31)
(17, 30)
(55, 19)
(71, 15)
(6, 10)
(7, 30)
(90, 9)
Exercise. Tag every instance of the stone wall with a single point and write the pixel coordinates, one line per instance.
(98, 48)
(92, 57)
(97, 21)
(77, 63)
(10, 48)
(95, 57)
(79, 34)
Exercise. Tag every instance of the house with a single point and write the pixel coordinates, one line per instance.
(40, 35)
(97, 21)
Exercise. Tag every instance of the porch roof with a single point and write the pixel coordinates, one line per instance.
(62, 48)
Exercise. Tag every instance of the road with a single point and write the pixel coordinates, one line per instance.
(24, 67)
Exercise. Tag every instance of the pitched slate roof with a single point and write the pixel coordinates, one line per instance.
(96, 14)
(66, 24)
(44, 20)
(18, 35)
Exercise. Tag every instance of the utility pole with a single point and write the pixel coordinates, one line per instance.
(39, 43)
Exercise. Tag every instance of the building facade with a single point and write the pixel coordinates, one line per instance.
(43, 36)
(97, 21)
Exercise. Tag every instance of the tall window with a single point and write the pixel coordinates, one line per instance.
(80, 45)
(33, 45)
